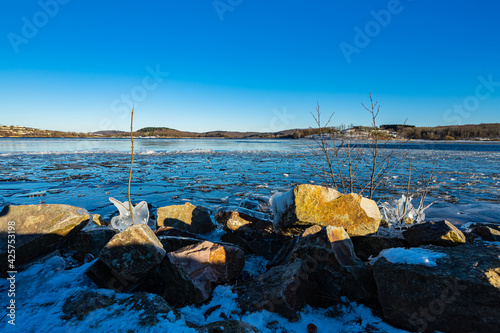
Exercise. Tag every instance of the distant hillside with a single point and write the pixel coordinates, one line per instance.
(458, 132)
(165, 132)
(28, 132)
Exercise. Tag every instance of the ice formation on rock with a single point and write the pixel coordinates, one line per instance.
(140, 214)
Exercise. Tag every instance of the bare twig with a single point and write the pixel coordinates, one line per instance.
(131, 162)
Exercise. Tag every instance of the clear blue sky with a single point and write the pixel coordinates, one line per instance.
(246, 65)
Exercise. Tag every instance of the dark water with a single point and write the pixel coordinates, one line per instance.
(215, 173)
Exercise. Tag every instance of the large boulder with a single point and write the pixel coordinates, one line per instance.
(441, 233)
(38, 229)
(460, 294)
(307, 205)
(189, 275)
(336, 269)
(185, 217)
(317, 269)
(130, 256)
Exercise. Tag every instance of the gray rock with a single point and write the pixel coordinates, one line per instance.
(130, 256)
(460, 294)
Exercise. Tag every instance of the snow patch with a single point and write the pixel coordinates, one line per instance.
(411, 256)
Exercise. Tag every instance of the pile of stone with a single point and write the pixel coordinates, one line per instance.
(320, 249)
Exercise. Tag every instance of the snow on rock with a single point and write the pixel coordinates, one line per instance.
(411, 256)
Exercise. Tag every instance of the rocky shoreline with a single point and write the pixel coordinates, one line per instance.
(322, 248)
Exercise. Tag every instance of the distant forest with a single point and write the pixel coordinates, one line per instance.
(460, 132)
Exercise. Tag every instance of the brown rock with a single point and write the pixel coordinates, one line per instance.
(441, 233)
(460, 294)
(130, 256)
(190, 274)
(39, 229)
(308, 205)
(486, 233)
(185, 217)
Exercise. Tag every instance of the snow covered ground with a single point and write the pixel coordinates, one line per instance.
(42, 290)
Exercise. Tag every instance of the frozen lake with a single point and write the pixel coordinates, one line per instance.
(222, 172)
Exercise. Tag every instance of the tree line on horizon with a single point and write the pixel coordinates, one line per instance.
(489, 131)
